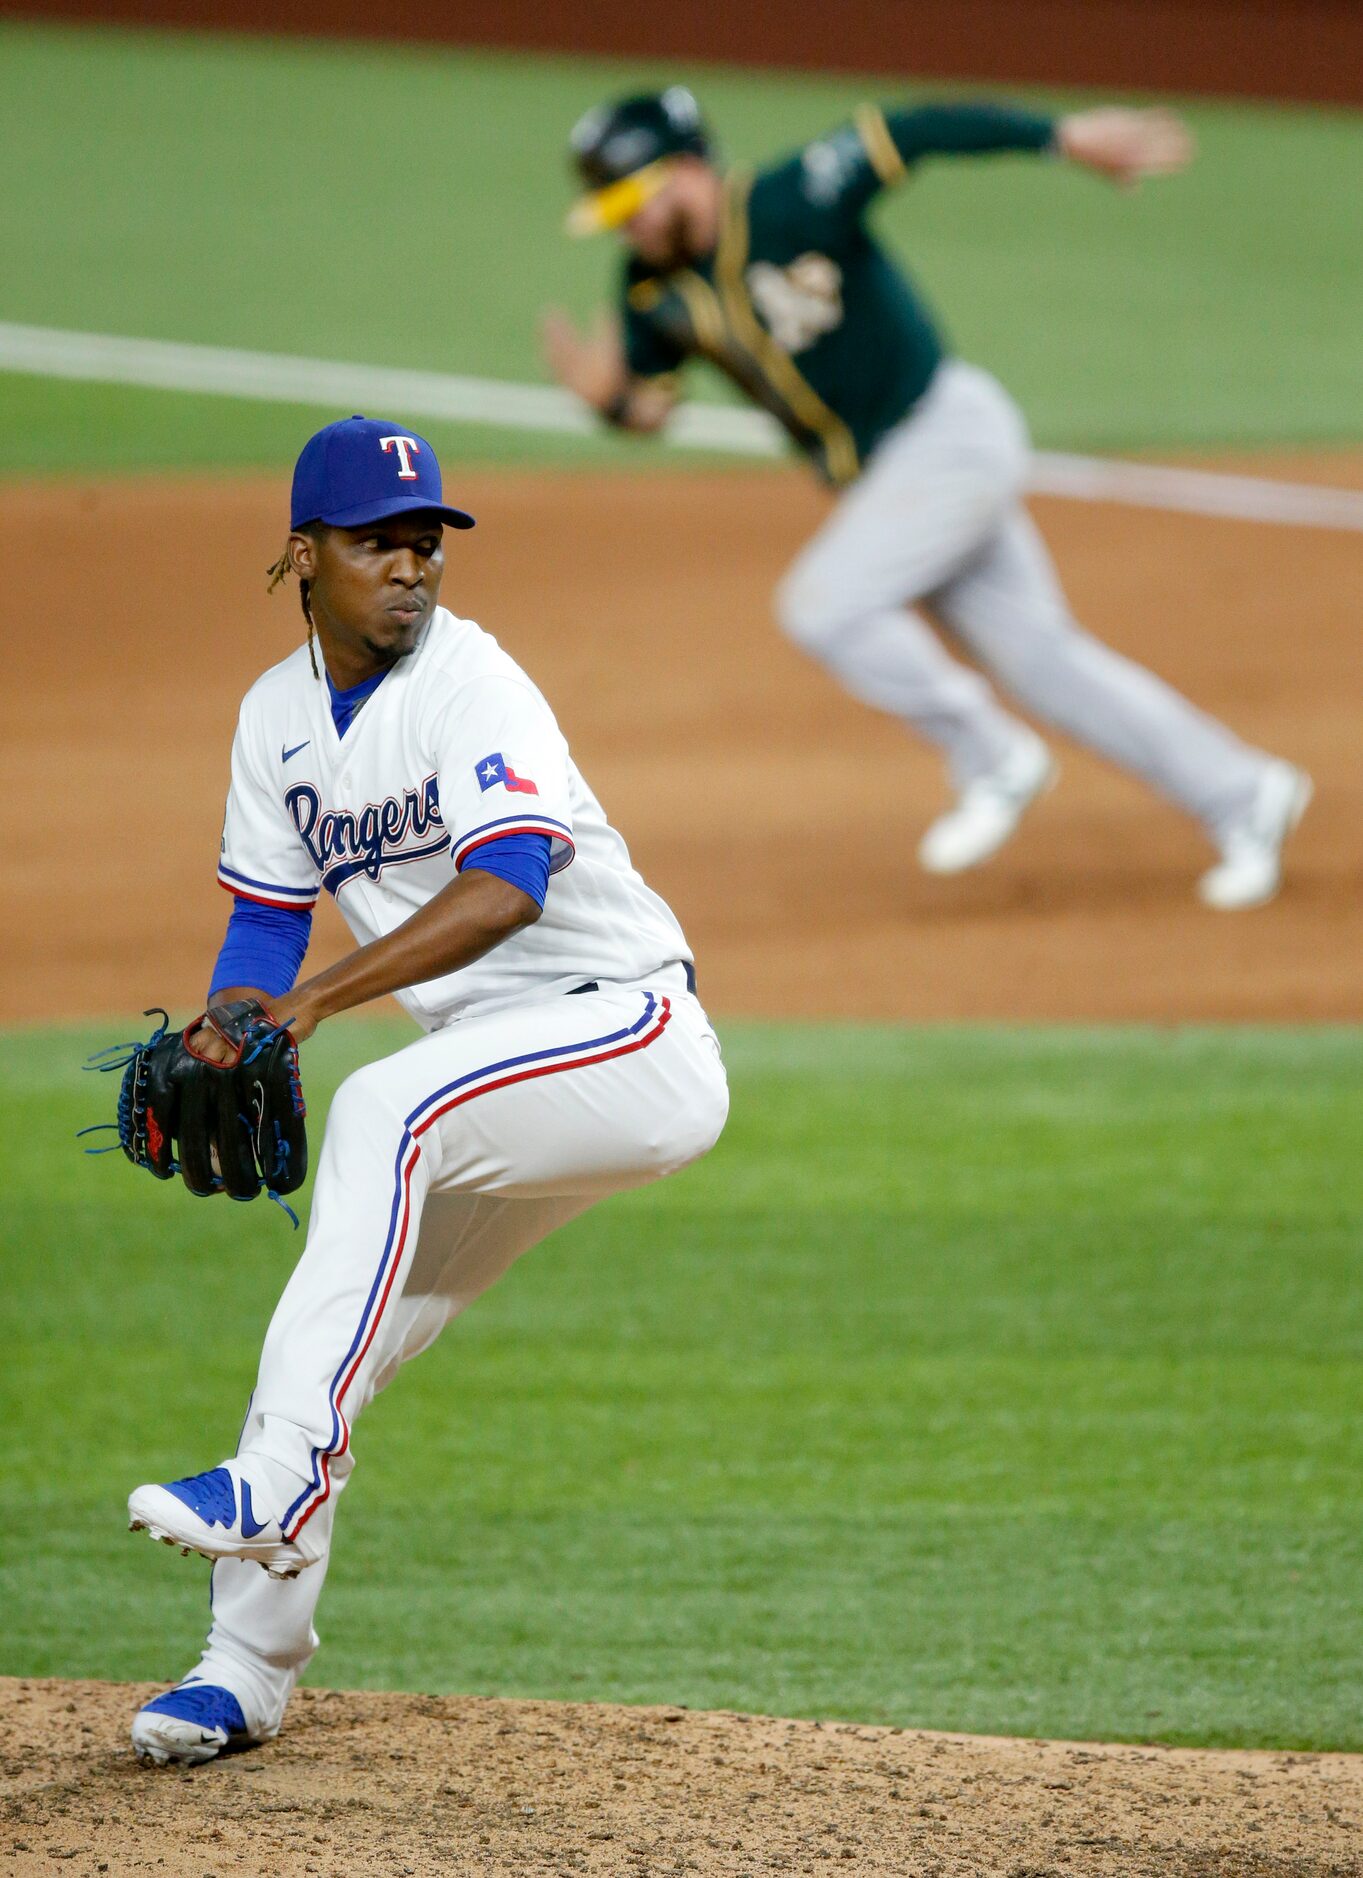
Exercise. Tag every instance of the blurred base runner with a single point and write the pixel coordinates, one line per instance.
(777, 279)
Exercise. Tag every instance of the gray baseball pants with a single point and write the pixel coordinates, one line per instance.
(937, 518)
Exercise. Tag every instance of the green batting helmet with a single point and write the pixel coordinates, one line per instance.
(622, 152)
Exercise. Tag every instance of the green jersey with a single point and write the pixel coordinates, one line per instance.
(799, 304)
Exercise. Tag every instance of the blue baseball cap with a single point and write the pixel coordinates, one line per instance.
(362, 469)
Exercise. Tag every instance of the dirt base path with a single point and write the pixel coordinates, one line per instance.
(778, 816)
(423, 1784)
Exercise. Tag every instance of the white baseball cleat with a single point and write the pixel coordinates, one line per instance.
(192, 1723)
(1250, 870)
(988, 810)
(214, 1514)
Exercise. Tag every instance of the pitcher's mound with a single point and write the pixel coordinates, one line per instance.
(418, 1784)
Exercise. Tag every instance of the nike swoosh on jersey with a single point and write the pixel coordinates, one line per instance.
(286, 753)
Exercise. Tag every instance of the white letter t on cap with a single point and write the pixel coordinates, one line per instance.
(402, 445)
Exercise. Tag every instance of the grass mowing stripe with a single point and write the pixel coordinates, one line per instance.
(991, 1379)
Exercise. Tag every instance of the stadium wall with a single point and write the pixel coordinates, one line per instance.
(1289, 49)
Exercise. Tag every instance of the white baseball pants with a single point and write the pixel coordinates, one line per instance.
(937, 517)
(440, 1166)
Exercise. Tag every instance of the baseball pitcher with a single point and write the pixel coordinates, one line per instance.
(777, 279)
(413, 772)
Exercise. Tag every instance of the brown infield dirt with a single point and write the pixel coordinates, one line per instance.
(780, 820)
(777, 816)
(449, 1784)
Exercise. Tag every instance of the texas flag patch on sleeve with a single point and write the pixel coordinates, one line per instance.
(495, 769)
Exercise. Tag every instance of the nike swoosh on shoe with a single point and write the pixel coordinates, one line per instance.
(250, 1525)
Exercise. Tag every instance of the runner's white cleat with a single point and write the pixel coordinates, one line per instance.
(1250, 870)
(215, 1515)
(988, 810)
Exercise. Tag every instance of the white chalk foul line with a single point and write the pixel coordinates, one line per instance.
(281, 378)
(1195, 492)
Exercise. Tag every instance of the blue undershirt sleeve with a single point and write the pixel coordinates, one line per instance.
(521, 859)
(264, 946)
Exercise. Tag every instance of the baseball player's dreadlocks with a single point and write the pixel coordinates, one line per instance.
(277, 572)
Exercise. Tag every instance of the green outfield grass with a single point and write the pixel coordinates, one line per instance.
(1004, 1381)
(404, 206)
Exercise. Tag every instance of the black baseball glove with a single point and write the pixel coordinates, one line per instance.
(231, 1127)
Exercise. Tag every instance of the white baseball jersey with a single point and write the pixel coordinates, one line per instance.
(454, 749)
